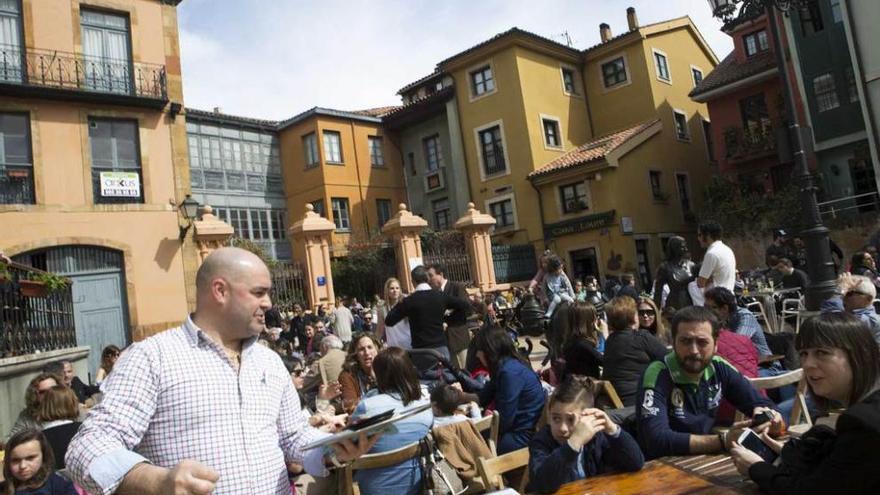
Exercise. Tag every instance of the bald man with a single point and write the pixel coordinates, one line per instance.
(199, 408)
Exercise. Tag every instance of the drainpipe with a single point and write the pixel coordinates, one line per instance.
(540, 211)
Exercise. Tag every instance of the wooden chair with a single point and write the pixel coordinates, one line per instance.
(493, 425)
(604, 386)
(800, 399)
(491, 469)
(374, 461)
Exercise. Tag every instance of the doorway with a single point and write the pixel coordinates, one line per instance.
(585, 263)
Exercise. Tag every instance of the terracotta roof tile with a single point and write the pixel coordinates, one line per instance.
(730, 71)
(509, 32)
(377, 112)
(210, 115)
(442, 94)
(434, 75)
(594, 150)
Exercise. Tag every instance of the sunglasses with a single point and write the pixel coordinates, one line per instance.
(646, 312)
(297, 372)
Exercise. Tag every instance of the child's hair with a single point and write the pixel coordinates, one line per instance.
(553, 263)
(575, 389)
(446, 399)
(58, 403)
(40, 477)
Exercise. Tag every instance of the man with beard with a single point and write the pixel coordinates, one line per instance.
(679, 395)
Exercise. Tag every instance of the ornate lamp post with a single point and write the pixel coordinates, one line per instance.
(190, 210)
(820, 266)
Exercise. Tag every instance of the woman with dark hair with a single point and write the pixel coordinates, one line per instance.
(33, 396)
(358, 377)
(398, 388)
(514, 388)
(108, 358)
(841, 363)
(58, 415)
(865, 265)
(581, 345)
(651, 321)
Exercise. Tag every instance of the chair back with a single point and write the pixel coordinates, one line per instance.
(491, 469)
(800, 399)
(607, 388)
(375, 461)
(492, 424)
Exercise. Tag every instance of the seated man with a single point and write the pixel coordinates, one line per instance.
(792, 278)
(679, 396)
(740, 320)
(856, 296)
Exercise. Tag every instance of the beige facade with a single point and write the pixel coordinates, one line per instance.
(66, 112)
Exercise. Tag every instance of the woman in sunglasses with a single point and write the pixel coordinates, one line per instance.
(650, 320)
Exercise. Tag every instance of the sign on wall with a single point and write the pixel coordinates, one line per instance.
(120, 184)
(580, 224)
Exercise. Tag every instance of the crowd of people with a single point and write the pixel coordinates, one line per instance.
(228, 401)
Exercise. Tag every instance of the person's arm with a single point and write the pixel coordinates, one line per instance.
(832, 305)
(755, 332)
(621, 452)
(507, 398)
(737, 389)
(657, 437)
(398, 312)
(295, 432)
(706, 269)
(550, 463)
(654, 348)
(100, 375)
(458, 306)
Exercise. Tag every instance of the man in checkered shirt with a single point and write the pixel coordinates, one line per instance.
(200, 408)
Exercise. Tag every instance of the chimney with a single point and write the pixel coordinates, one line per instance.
(604, 32)
(631, 19)
(217, 110)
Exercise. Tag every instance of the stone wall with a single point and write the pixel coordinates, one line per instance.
(17, 372)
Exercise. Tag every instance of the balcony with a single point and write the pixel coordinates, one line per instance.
(16, 184)
(68, 76)
(743, 143)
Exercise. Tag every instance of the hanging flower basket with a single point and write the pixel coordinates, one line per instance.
(32, 288)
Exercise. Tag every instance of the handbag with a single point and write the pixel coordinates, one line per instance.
(438, 476)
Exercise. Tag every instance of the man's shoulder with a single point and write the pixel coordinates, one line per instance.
(656, 374)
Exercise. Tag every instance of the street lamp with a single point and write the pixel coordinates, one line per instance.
(190, 209)
(820, 266)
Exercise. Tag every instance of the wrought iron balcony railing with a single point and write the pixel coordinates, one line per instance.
(742, 142)
(69, 71)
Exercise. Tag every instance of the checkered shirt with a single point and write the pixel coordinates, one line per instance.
(177, 396)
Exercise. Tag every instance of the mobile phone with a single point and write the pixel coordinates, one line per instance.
(362, 423)
(761, 418)
(750, 440)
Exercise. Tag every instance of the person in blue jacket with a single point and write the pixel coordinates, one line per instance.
(514, 389)
(679, 396)
(580, 441)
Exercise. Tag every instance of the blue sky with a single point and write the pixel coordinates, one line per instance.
(275, 58)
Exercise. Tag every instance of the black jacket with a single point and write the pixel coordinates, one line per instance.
(426, 310)
(627, 354)
(824, 461)
(457, 290)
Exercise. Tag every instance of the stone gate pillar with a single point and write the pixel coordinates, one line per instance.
(475, 227)
(404, 230)
(310, 238)
(210, 233)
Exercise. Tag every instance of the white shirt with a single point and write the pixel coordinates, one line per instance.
(719, 265)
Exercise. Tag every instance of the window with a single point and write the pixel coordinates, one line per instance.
(259, 224)
(482, 81)
(383, 211)
(684, 195)
(16, 166)
(377, 158)
(279, 226)
(411, 159)
(492, 150)
(105, 46)
(836, 14)
(568, 81)
(318, 205)
(811, 19)
(707, 135)
(825, 92)
(551, 133)
(340, 214)
(656, 188)
(116, 167)
(433, 153)
(755, 117)
(851, 89)
(614, 72)
(240, 222)
(642, 260)
(310, 148)
(441, 214)
(661, 65)
(502, 211)
(333, 147)
(574, 197)
(10, 41)
(756, 43)
(697, 75)
(681, 126)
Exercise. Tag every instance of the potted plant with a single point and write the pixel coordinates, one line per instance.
(5, 276)
(42, 284)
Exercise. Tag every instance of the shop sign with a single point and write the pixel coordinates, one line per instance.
(582, 224)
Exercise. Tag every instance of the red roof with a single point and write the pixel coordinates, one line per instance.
(729, 71)
(594, 150)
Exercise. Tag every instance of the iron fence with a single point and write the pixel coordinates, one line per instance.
(36, 323)
(288, 285)
(63, 70)
(454, 259)
(514, 263)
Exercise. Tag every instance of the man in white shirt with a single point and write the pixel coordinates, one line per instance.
(719, 263)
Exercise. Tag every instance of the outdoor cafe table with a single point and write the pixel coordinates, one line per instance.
(697, 474)
(768, 299)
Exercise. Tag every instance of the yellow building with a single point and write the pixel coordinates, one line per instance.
(525, 103)
(347, 167)
(93, 159)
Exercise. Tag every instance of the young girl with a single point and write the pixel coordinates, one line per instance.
(556, 286)
(580, 441)
(28, 467)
